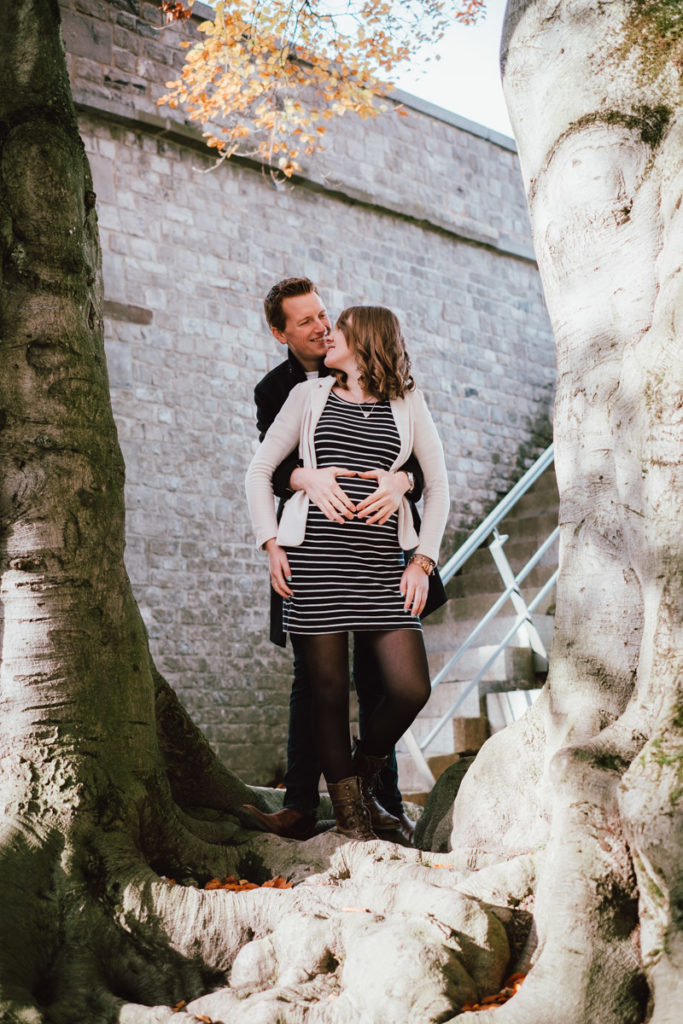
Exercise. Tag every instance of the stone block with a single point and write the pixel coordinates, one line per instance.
(86, 37)
(470, 733)
(103, 178)
(119, 364)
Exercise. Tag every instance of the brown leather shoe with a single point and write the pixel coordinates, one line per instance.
(288, 823)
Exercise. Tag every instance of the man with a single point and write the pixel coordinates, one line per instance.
(298, 320)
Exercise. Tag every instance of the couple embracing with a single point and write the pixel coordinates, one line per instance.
(348, 445)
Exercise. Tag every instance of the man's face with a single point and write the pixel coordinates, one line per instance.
(306, 329)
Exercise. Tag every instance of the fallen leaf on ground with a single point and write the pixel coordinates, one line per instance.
(511, 986)
(233, 884)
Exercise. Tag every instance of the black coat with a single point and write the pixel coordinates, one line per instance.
(270, 395)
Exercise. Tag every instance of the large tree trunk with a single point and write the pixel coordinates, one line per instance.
(106, 786)
(595, 97)
(94, 746)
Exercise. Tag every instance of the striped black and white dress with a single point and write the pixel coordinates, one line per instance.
(346, 576)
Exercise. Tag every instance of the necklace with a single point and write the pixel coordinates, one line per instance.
(365, 407)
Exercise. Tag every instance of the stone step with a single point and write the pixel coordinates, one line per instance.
(514, 666)
(534, 523)
(504, 708)
(487, 580)
(410, 778)
(448, 635)
(413, 784)
(446, 694)
(524, 537)
(545, 502)
(544, 493)
(421, 727)
(474, 606)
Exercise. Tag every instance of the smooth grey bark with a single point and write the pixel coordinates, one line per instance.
(595, 97)
(92, 742)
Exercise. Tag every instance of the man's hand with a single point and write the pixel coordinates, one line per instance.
(323, 490)
(414, 587)
(280, 572)
(385, 500)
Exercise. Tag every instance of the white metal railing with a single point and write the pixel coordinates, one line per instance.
(478, 536)
(523, 626)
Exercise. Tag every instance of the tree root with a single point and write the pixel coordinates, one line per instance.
(378, 934)
(650, 799)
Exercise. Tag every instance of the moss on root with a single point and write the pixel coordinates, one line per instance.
(655, 32)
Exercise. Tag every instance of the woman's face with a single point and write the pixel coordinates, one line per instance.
(339, 355)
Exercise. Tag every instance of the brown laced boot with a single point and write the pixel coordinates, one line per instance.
(353, 819)
(367, 767)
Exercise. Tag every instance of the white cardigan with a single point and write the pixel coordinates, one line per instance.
(295, 425)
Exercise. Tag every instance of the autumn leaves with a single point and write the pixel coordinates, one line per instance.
(266, 76)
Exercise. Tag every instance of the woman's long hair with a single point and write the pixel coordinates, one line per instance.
(373, 334)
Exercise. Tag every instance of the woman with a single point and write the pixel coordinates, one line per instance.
(351, 576)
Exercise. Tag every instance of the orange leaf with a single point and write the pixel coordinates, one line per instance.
(518, 977)
(179, 1006)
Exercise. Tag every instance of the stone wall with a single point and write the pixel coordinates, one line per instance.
(425, 214)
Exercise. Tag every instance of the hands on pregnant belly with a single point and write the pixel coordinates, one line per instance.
(340, 495)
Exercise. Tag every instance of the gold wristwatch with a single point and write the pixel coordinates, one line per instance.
(424, 562)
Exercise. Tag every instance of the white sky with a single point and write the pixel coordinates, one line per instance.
(466, 80)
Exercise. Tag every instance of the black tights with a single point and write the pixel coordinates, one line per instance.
(402, 663)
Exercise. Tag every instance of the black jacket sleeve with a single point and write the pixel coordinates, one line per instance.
(269, 401)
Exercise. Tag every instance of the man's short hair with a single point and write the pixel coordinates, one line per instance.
(272, 304)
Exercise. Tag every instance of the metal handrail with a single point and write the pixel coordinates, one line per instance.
(545, 589)
(511, 592)
(476, 539)
(496, 606)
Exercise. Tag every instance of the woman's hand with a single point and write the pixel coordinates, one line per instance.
(386, 499)
(322, 489)
(414, 587)
(280, 572)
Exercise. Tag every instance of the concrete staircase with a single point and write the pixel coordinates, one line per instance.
(516, 676)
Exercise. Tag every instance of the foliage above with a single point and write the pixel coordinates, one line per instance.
(266, 75)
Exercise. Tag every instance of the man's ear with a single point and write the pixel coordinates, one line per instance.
(278, 335)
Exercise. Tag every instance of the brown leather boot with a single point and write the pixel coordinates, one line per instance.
(353, 818)
(368, 767)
